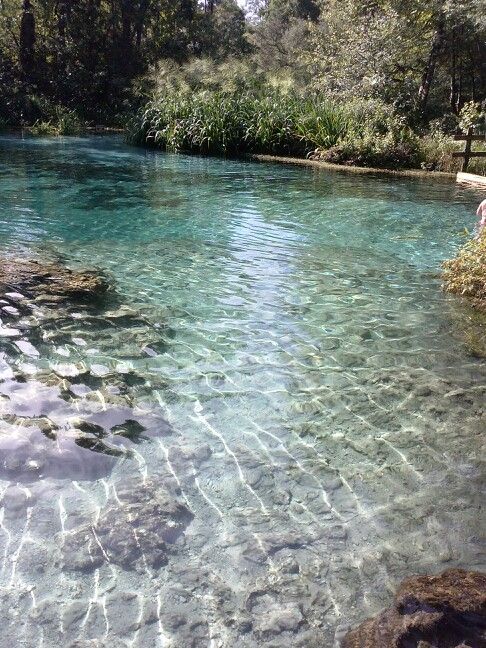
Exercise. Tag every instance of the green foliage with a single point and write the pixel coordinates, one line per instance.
(86, 56)
(63, 122)
(466, 274)
(323, 124)
(437, 149)
(227, 118)
(473, 115)
(377, 151)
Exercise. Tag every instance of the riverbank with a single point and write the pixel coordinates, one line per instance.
(321, 164)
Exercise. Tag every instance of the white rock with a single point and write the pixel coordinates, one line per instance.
(99, 370)
(11, 310)
(29, 369)
(66, 370)
(150, 352)
(6, 372)
(15, 296)
(27, 348)
(9, 332)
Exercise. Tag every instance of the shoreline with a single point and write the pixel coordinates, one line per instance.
(275, 159)
(320, 164)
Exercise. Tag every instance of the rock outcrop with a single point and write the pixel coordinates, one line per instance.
(443, 611)
(35, 279)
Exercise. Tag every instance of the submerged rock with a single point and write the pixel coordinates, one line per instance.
(443, 611)
(34, 449)
(45, 280)
(135, 531)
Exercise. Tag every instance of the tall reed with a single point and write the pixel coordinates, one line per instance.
(219, 122)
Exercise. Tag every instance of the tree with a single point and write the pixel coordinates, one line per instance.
(27, 41)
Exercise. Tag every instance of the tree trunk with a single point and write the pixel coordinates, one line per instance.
(27, 41)
(429, 72)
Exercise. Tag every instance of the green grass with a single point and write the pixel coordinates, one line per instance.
(233, 123)
(63, 122)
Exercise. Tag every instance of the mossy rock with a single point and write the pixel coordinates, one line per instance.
(49, 280)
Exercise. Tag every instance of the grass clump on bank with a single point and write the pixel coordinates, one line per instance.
(232, 109)
(465, 275)
(61, 122)
(273, 122)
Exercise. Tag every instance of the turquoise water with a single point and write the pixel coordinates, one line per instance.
(270, 421)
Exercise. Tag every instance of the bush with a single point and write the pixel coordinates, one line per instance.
(224, 109)
(437, 150)
(64, 122)
(465, 275)
(396, 148)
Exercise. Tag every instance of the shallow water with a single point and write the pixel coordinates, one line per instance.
(269, 423)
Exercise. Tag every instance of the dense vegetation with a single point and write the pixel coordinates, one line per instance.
(374, 82)
(465, 275)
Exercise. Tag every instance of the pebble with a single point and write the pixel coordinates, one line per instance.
(66, 370)
(11, 310)
(99, 370)
(6, 372)
(29, 368)
(27, 348)
(150, 352)
(62, 351)
(9, 332)
(14, 296)
(80, 390)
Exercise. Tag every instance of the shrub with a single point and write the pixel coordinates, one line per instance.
(437, 150)
(373, 150)
(63, 122)
(466, 274)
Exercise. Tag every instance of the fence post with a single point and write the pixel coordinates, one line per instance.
(467, 150)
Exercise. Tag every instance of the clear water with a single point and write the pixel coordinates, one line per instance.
(288, 422)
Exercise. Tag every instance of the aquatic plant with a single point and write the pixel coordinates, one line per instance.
(225, 119)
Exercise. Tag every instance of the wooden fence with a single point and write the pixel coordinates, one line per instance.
(468, 153)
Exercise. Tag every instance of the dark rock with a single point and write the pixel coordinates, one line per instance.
(34, 455)
(444, 611)
(48, 280)
(130, 429)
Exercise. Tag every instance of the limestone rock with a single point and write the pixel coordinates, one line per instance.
(135, 531)
(48, 279)
(444, 611)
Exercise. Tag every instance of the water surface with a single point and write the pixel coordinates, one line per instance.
(270, 421)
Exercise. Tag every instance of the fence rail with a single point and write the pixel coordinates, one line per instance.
(468, 153)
